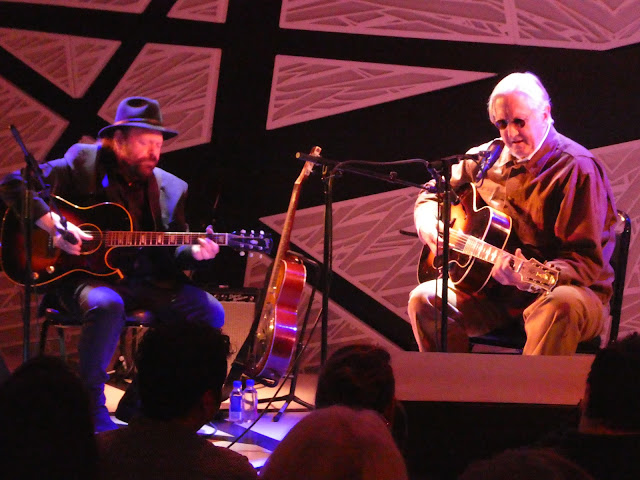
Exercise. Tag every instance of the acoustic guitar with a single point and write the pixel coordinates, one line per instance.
(111, 226)
(276, 324)
(477, 237)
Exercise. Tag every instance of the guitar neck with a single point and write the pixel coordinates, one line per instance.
(531, 271)
(285, 237)
(160, 239)
(474, 247)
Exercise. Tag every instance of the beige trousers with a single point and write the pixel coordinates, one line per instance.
(555, 322)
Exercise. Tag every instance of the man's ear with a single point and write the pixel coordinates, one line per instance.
(117, 141)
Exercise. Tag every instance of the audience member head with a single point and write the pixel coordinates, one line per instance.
(46, 428)
(180, 366)
(525, 464)
(358, 376)
(611, 398)
(337, 443)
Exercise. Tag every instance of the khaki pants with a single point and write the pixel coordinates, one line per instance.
(555, 322)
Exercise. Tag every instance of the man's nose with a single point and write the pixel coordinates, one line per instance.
(154, 152)
(512, 130)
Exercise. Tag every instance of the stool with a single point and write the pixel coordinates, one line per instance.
(56, 315)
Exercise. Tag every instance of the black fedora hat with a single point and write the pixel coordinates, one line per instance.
(138, 112)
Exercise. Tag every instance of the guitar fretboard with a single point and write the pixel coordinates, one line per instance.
(146, 239)
(475, 247)
(531, 271)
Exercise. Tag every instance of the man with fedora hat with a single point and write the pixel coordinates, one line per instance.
(121, 167)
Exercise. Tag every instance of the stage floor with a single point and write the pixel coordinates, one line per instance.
(264, 436)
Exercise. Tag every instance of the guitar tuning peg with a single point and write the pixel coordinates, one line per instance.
(242, 254)
(243, 231)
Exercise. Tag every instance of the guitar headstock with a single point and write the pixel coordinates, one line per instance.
(250, 242)
(308, 166)
(539, 275)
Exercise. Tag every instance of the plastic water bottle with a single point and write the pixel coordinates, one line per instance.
(249, 402)
(235, 402)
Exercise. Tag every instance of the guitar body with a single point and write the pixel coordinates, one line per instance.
(275, 337)
(477, 220)
(49, 263)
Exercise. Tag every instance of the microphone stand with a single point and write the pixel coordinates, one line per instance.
(327, 260)
(446, 192)
(443, 183)
(32, 171)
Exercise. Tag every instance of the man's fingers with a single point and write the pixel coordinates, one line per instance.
(84, 235)
(62, 244)
(206, 249)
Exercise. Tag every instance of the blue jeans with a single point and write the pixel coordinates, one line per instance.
(104, 306)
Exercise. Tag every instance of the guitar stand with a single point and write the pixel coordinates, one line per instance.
(288, 398)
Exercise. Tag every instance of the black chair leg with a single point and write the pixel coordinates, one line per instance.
(63, 346)
(44, 330)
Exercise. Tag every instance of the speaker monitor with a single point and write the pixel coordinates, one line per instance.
(239, 308)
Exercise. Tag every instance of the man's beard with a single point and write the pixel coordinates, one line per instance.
(140, 171)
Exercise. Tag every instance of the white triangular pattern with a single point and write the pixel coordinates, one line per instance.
(343, 327)
(594, 24)
(370, 253)
(621, 163)
(305, 88)
(38, 126)
(577, 24)
(129, 6)
(214, 11)
(183, 79)
(10, 298)
(71, 63)
(89, 57)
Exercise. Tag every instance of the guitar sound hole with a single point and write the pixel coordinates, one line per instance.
(91, 246)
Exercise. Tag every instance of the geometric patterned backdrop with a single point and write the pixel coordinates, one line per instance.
(591, 25)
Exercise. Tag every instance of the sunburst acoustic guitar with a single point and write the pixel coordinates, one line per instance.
(478, 235)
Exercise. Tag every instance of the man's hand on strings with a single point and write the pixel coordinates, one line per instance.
(504, 271)
(63, 237)
(206, 248)
(431, 234)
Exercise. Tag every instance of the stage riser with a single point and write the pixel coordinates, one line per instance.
(443, 438)
(463, 407)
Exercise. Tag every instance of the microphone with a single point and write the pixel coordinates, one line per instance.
(316, 159)
(489, 158)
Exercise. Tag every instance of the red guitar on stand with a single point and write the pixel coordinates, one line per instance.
(276, 330)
